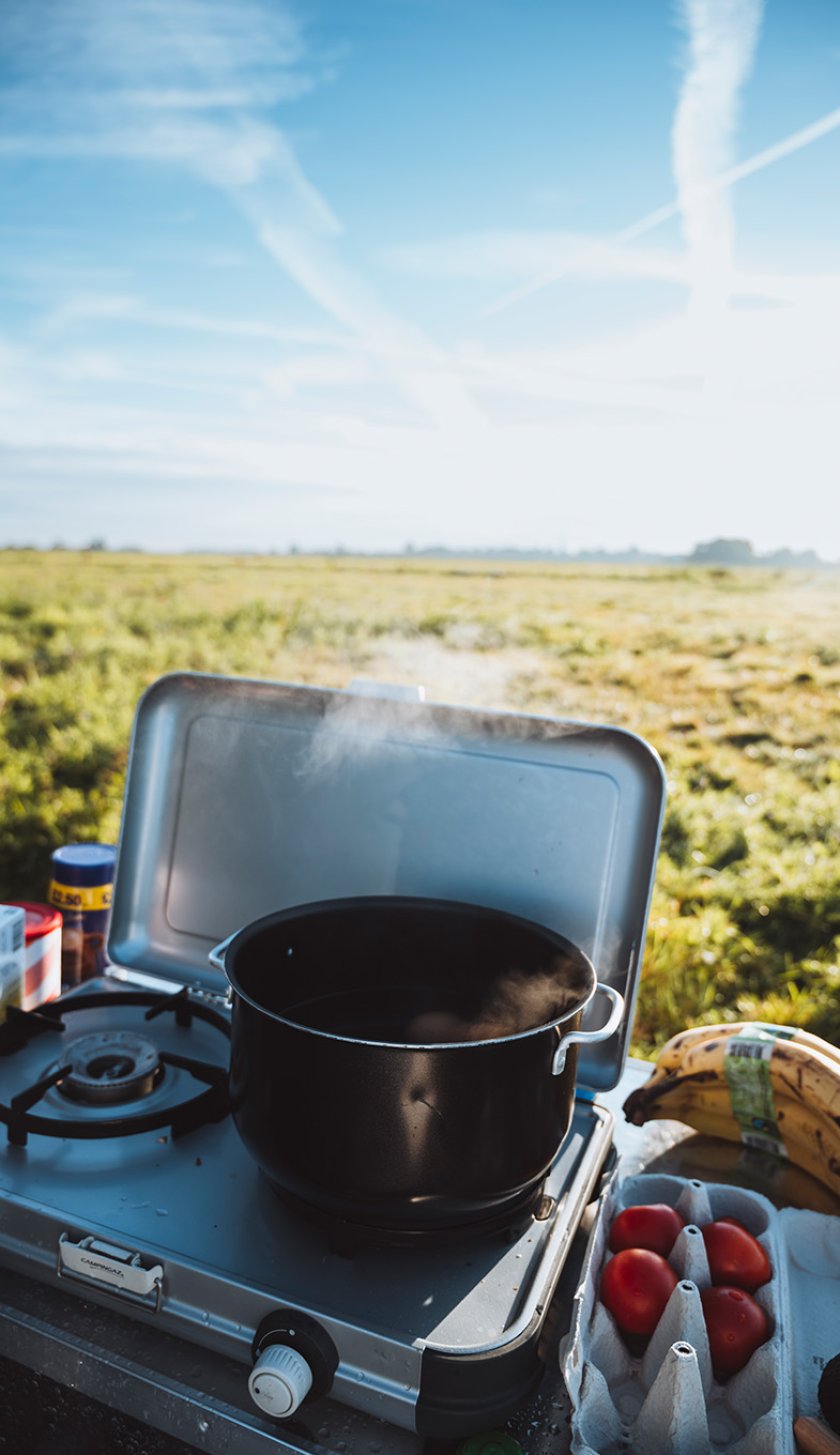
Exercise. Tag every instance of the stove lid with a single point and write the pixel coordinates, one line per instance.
(244, 798)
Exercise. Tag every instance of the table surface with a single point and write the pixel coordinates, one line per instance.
(70, 1380)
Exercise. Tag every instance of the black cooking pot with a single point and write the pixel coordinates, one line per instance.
(407, 1064)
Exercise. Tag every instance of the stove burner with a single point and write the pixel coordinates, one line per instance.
(107, 1069)
(110, 1068)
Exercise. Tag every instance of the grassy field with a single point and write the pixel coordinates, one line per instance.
(734, 677)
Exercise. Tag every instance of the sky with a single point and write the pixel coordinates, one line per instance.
(362, 275)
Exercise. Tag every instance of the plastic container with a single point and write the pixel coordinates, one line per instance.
(82, 888)
(11, 956)
(42, 954)
(668, 1401)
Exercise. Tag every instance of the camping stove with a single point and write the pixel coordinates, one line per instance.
(124, 1182)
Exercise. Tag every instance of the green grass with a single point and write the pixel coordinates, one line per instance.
(733, 676)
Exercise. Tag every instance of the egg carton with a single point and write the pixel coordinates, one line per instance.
(667, 1401)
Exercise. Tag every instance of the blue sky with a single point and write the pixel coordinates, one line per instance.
(480, 273)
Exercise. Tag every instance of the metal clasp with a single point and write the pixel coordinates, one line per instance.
(111, 1269)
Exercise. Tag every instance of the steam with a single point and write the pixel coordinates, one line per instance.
(516, 1001)
(361, 725)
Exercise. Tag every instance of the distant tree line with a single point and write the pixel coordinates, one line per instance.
(736, 552)
(723, 551)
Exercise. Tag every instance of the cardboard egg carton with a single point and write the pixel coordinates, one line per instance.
(667, 1401)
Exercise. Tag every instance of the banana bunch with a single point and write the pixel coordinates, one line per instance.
(772, 1087)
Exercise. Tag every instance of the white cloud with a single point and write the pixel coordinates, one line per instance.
(79, 309)
(147, 51)
(316, 371)
(187, 82)
(215, 44)
(232, 154)
(495, 256)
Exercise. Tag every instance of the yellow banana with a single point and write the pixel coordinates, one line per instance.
(797, 1122)
(710, 1050)
(809, 1143)
(808, 1140)
(808, 1069)
(801, 1130)
(805, 1038)
(795, 1069)
(800, 1077)
(684, 1102)
(806, 1076)
(710, 1115)
(702, 1100)
(704, 1121)
(671, 1056)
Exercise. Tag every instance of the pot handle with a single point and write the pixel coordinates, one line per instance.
(216, 956)
(581, 1037)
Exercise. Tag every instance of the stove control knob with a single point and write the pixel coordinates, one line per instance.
(280, 1381)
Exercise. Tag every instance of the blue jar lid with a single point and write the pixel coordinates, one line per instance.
(84, 863)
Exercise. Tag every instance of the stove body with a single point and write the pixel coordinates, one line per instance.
(182, 1232)
(243, 798)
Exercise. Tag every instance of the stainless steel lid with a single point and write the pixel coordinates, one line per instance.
(244, 797)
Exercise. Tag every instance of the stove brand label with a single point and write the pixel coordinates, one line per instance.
(112, 1269)
(123, 1271)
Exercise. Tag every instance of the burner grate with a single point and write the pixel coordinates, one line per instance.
(210, 1104)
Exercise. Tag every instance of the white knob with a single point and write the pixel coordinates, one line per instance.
(280, 1381)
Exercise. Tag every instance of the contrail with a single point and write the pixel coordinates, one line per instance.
(722, 36)
(756, 163)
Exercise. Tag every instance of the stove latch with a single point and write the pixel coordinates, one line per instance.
(294, 1358)
(95, 1262)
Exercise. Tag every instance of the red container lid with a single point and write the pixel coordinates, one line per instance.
(41, 919)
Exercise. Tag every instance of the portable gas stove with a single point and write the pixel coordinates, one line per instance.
(123, 1179)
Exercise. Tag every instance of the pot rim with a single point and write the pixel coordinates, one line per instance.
(237, 942)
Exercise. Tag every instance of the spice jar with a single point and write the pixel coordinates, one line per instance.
(82, 888)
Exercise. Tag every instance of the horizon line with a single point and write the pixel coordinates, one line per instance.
(702, 554)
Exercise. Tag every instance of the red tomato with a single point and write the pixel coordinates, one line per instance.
(652, 1225)
(736, 1326)
(635, 1286)
(735, 1256)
